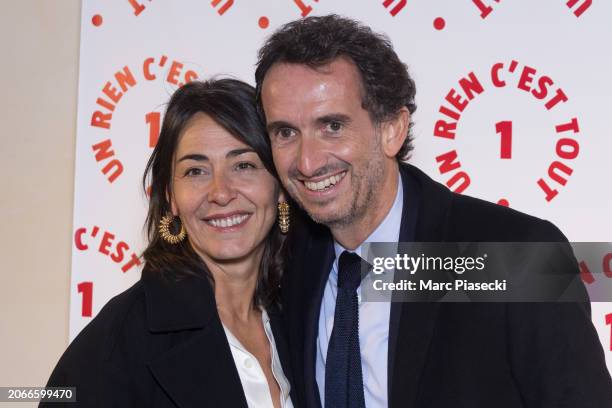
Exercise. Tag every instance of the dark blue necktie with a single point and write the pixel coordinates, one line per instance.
(343, 378)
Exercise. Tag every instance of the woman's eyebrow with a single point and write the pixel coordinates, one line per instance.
(196, 157)
(238, 152)
(230, 154)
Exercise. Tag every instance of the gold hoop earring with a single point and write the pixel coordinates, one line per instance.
(283, 217)
(164, 230)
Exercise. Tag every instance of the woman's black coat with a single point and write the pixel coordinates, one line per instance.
(158, 344)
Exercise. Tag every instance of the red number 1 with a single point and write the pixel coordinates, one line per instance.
(86, 288)
(504, 128)
(609, 322)
(152, 119)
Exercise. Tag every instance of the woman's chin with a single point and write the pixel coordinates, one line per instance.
(228, 251)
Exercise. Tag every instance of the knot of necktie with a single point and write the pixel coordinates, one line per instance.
(349, 270)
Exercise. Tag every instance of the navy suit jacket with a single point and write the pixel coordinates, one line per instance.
(460, 355)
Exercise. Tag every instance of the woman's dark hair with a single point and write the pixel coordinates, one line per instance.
(317, 41)
(230, 103)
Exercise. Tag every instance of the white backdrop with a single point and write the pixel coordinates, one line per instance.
(511, 99)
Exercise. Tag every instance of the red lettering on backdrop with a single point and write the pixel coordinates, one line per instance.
(581, 8)
(102, 152)
(78, 239)
(112, 93)
(226, 5)
(138, 8)
(462, 178)
(483, 7)
(146, 69)
(304, 9)
(134, 260)
(118, 252)
(175, 70)
(606, 265)
(504, 128)
(609, 323)
(606, 268)
(526, 79)
(106, 242)
(585, 273)
(86, 291)
(153, 119)
(449, 162)
(558, 169)
(124, 79)
(398, 7)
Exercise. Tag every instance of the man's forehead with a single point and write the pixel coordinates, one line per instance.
(341, 67)
(339, 76)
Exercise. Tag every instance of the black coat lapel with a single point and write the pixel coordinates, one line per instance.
(199, 370)
(412, 324)
(280, 338)
(410, 209)
(318, 264)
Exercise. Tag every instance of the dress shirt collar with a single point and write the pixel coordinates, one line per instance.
(387, 230)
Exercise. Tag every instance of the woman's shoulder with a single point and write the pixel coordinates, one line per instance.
(119, 313)
(95, 344)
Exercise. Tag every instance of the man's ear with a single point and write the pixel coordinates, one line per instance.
(394, 132)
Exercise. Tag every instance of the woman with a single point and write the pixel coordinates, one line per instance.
(201, 327)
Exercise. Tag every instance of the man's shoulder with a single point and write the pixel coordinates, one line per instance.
(473, 219)
(466, 218)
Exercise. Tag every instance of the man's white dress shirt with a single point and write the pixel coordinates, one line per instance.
(373, 318)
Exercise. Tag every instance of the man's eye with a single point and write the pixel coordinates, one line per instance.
(334, 126)
(285, 133)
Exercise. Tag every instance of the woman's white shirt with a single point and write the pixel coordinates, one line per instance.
(252, 377)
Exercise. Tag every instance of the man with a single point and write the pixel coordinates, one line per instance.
(337, 103)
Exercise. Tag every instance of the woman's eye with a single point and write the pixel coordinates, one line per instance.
(194, 172)
(245, 166)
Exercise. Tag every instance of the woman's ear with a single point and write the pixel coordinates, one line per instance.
(282, 197)
(170, 199)
(394, 132)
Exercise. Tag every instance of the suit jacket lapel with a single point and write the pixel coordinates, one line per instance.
(280, 338)
(199, 371)
(412, 324)
(318, 265)
(410, 209)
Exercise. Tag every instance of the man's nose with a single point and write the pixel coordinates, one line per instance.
(311, 156)
(221, 189)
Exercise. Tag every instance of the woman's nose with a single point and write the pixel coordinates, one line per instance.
(221, 190)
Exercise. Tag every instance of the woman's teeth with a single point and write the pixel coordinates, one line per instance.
(323, 184)
(228, 222)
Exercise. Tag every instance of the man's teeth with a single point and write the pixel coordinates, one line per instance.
(323, 184)
(228, 222)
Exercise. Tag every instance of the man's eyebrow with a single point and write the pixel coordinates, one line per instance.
(238, 152)
(277, 125)
(334, 117)
(196, 157)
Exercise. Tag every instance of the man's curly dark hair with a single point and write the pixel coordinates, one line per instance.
(317, 41)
